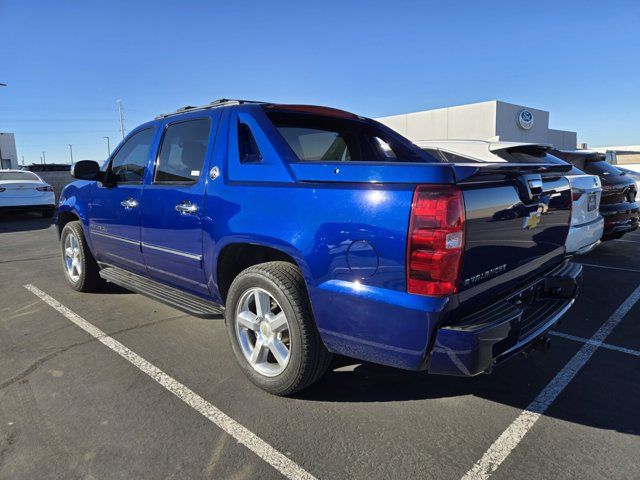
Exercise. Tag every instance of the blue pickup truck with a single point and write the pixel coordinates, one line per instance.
(316, 231)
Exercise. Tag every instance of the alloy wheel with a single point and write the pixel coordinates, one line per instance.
(262, 330)
(72, 257)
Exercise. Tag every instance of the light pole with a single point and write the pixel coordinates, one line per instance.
(44, 158)
(121, 119)
(108, 147)
(1, 166)
(71, 152)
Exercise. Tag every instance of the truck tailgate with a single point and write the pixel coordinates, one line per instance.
(517, 220)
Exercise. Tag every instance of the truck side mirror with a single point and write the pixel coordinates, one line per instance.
(86, 170)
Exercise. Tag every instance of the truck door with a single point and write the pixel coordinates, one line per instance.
(114, 223)
(173, 203)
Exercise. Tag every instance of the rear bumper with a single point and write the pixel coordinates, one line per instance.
(479, 341)
(26, 208)
(619, 218)
(583, 238)
(40, 200)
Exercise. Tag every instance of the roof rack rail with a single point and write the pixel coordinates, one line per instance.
(221, 102)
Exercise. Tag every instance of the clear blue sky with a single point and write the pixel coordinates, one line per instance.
(66, 62)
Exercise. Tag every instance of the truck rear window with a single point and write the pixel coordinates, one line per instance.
(526, 154)
(321, 138)
(601, 168)
(18, 176)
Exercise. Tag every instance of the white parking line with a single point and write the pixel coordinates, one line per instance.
(512, 436)
(250, 440)
(601, 345)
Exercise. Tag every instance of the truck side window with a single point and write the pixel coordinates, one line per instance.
(130, 162)
(182, 153)
(247, 146)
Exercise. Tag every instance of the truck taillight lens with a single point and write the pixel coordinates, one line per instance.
(47, 188)
(576, 194)
(435, 240)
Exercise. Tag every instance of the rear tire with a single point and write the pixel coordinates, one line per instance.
(80, 268)
(287, 354)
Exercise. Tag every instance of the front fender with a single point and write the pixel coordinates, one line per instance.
(74, 201)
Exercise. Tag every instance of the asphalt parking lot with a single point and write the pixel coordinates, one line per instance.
(73, 407)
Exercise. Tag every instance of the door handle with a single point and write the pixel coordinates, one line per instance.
(187, 208)
(129, 203)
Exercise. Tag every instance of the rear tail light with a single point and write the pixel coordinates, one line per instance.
(47, 188)
(576, 194)
(435, 240)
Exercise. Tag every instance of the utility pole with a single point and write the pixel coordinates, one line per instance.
(71, 152)
(22, 160)
(44, 158)
(108, 147)
(121, 120)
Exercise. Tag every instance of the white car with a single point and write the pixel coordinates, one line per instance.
(21, 190)
(587, 224)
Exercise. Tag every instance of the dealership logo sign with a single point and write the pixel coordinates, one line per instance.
(525, 119)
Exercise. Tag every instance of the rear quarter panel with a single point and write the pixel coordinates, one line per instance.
(350, 243)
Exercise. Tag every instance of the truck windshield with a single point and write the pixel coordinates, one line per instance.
(322, 138)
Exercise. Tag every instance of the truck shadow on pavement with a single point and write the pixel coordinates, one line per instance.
(23, 222)
(596, 398)
(112, 289)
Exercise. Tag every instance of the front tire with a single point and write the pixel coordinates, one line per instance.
(270, 324)
(80, 268)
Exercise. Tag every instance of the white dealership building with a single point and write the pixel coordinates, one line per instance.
(8, 154)
(495, 120)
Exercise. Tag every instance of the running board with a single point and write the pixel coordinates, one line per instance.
(196, 306)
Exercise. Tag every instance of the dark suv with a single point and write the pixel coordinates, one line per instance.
(618, 205)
